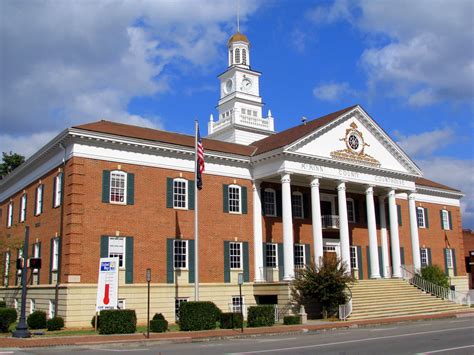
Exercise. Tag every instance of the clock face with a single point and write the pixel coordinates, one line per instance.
(354, 141)
(228, 86)
(246, 84)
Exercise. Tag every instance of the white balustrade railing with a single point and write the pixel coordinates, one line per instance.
(240, 118)
(330, 221)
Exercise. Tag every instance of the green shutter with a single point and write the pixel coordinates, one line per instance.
(34, 206)
(104, 246)
(192, 274)
(244, 199)
(399, 214)
(226, 261)
(245, 252)
(262, 201)
(225, 193)
(402, 255)
(54, 192)
(169, 193)
(427, 222)
(130, 189)
(129, 260)
(429, 255)
(169, 261)
(191, 189)
(281, 261)
(42, 198)
(445, 262)
(39, 255)
(106, 186)
(306, 207)
(454, 262)
(51, 248)
(380, 261)
(356, 211)
(359, 262)
(441, 218)
(278, 199)
(450, 219)
(62, 188)
(367, 250)
(307, 254)
(264, 252)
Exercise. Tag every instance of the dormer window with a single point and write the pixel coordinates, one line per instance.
(237, 56)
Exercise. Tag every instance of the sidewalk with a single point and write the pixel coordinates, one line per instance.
(181, 337)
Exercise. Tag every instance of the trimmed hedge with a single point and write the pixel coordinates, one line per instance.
(37, 320)
(198, 316)
(7, 317)
(231, 320)
(158, 324)
(56, 323)
(261, 316)
(290, 320)
(118, 321)
(3, 304)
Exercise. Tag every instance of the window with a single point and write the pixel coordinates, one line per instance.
(10, 215)
(36, 254)
(180, 255)
(118, 187)
(449, 258)
(237, 301)
(178, 301)
(58, 186)
(39, 200)
(121, 303)
(180, 192)
(234, 199)
(32, 305)
(23, 208)
(299, 256)
(350, 210)
(6, 270)
(18, 273)
(117, 249)
(269, 202)
(16, 305)
(235, 252)
(420, 215)
(297, 204)
(52, 309)
(271, 255)
(55, 256)
(244, 56)
(424, 257)
(445, 219)
(237, 55)
(354, 259)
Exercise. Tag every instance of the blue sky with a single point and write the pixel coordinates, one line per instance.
(410, 64)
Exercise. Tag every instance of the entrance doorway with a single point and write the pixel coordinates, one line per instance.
(331, 248)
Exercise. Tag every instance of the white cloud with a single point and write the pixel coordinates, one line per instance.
(332, 91)
(425, 143)
(25, 145)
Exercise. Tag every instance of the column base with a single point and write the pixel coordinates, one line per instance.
(375, 277)
(288, 278)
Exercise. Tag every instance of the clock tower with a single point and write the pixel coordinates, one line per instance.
(240, 105)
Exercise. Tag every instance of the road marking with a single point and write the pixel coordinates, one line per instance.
(448, 349)
(353, 341)
(271, 340)
(460, 321)
(122, 350)
(381, 329)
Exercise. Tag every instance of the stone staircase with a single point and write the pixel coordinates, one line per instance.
(387, 298)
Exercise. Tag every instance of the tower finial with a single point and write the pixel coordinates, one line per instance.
(238, 16)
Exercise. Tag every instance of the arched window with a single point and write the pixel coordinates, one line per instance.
(244, 57)
(231, 56)
(297, 204)
(237, 56)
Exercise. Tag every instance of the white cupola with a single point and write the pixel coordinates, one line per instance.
(239, 53)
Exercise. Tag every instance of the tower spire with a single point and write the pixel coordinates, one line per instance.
(238, 16)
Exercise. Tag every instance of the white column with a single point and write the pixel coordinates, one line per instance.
(394, 238)
(415, 242)
(288, 245)
(257, 233)
(317, 226)
(383, 237)
(343, 225)
(372, 227)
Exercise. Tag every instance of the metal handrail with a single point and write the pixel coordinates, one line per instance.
(433, 289)
(280, 313)
(330, 221)
(345, 310)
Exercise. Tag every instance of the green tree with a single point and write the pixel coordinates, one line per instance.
(434, 274)
(10, 162)
(323, 285)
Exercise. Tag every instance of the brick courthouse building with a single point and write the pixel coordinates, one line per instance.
(271, 202)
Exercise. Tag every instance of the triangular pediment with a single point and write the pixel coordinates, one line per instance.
(355, 138)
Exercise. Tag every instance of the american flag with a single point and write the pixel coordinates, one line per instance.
(200, 160)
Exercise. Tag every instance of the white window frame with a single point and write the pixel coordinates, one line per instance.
(449, 258)
(351, 210)
(39, 200)
(117, 255)
(445, 216)
(237, 207)
(23, 208)
(420, 217)
(186, 258)
(55, 263)
(302, 264)
(6, 270)
(424, 255)
(116, 174)
(32, 305)
(299, 195)
(51, 309)
(235, 260)
(36, 254)
(354, 258)
(16, 304)
(275, 250)
(236, 303)
(186, 193)
(58, 186)
(121, 303)
(177, 304)
(272, 203)
(10, 214)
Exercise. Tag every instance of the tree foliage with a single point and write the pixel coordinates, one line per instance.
(434, 274)
(10, 162)
(324, 285)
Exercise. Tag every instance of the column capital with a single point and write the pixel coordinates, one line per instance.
(341, 185)
(285, 177)
(314, 181)
(391, 193)
(411, 196)
(255, 184)
(369, 189)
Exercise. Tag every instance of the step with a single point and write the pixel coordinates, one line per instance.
(429, 301)
(402, 314)
(408, 309)
(433, 306)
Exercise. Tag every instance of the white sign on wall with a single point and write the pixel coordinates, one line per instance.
(107, 287)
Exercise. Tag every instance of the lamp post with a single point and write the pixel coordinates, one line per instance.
(22, 328)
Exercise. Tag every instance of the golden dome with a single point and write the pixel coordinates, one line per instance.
(236, 37)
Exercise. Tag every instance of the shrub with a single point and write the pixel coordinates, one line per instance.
(37, 320)
(434, 274)
(198, 316)
(55, 323)
(3, 304)
(118, 321)
(93, 322)
(158, 324)
(290, 320)
(7, 317)
(231, 320)
(261, 316)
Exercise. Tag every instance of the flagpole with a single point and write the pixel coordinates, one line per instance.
(196, 213)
